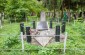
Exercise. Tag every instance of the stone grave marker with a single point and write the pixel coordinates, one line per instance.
(42, 24)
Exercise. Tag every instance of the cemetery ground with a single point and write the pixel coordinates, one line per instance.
(10, 43)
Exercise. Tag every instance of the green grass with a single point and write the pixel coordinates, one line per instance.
(11, 40)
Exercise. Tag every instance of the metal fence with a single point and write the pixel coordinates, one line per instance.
(58, 51)
(22, 50)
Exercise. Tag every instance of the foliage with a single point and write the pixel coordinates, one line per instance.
(2, 5)
(51, 4)
(20, 9)
(75, 41)
(11, 41)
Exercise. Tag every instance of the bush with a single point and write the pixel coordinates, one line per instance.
(11, 41)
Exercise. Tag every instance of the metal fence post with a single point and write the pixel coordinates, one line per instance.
(65, 42)
(50, 24)
(22, 41)
(57, 37)
(22, 28)
(28, 34)
(63, 26)
(34, 26)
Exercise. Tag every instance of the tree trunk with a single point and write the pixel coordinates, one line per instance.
(62, 13)
(81, 8)
(69, 15)
(0, 19)
(54, 9)
(54, 13)
(62, 10)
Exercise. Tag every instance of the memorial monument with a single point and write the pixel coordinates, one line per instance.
(42, 35)
(42, 24)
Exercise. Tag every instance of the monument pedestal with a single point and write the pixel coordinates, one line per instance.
(42, 25)
(45, 37)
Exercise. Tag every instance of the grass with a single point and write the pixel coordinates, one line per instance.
(10, 39)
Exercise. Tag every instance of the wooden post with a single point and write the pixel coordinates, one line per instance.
(63, 26)
(50, 24)
(28, 34)
(57, 37)
(34, 25)
(22, 28)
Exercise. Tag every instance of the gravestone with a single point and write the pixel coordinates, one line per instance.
(42, 24)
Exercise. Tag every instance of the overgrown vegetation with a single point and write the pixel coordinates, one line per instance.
(11, 40)
(29, 10)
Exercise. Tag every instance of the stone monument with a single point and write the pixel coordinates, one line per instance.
(42, 24)
(43, 35)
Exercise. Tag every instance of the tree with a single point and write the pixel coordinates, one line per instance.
(53, 5)
(22, 8)
(2, 9)
(75, 5)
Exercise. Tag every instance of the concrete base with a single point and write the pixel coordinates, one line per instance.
(45, 37)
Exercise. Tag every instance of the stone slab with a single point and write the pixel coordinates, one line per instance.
(43, 38)
(42, 25)
(43, 41)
